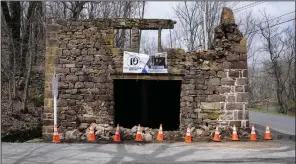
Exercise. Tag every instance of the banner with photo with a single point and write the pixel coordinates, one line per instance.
(143, 63)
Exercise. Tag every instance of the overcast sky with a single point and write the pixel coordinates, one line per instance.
(163, 10)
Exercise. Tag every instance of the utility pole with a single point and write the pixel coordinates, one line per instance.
(205, 27)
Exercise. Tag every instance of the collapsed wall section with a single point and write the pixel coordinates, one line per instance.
(214, 82)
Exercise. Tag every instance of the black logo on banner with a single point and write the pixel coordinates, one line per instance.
(134, 61)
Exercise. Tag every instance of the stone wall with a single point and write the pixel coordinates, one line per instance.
(214, 82)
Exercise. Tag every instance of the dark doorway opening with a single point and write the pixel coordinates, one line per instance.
(147, 102)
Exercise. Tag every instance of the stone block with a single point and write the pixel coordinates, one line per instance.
(71, 91)
(239, 65)
(70, 65)
(62, 70)
(187, 110)
(200, 98)
(79, 85)
(200, 81)
(89, 98)
(245, 115)
(245, 73)
(233, 73)
(62, 103)
(206, 105)
(52, 28)
(221, 90)
(190, 92)
(216, 98)
(215, 81)
(238, 48)
(236, 123)
(47, 122)
(232, 57)
(241, 81)
(227, 115)
(66, 53)
(246, 88)
(187, 98)
(221, 74)
(227, 81)
(72, 78)
(239, 115)
(212, 73)
(242, 97)
(65, 96)
(227, 16)
(213, 116)
(71, 102)
(243, 57)
(226, 65)
(83, 78)
(234, 106)
(239, 88)
(188, 86)
(230, 99)
(203, 115)
(200, 87)
(48, 109)
(52, 42)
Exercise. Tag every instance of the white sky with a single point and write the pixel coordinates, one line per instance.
(163, 10)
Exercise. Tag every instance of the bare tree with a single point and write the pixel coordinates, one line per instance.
(148, 45)
(189, 20)
(190, 29)
(275, 45)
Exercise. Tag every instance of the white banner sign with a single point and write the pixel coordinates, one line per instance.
(143, 63)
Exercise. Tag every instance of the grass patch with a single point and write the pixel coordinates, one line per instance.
(35, 140)
(266, 104)
(290, 114)
(291, 104)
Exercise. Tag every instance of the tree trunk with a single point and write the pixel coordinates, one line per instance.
(31, 9)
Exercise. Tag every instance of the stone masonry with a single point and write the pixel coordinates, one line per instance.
(214, 82)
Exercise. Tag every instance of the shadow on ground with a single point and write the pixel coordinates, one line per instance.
(275, 134)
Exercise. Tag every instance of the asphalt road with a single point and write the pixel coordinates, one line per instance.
(156, 153)
(275, 151)
(278, 124)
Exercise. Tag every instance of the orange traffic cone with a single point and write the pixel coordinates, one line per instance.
(267, 135)
(217, 135)
(117, 134)
(139, 134)
(188, 135)
(56, 136)
(234, 134)
(91, 135)
(253, 134)
(160, 134)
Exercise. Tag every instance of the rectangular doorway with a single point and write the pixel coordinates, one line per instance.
(147, 102)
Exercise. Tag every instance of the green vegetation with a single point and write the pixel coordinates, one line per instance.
(37, 100)
(290, 114)
(259, 104)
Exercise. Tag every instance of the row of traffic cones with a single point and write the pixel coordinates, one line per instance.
(267, 135)
(216, 138)
(160, 136)
(139, 138)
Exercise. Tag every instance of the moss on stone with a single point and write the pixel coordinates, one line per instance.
(210, 106)
(52, 50)
(213, 116)
(37, 100)
(180, 51)
(115, 50)
(243, 42)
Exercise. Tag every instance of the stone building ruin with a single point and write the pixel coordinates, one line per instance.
(200, 88)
